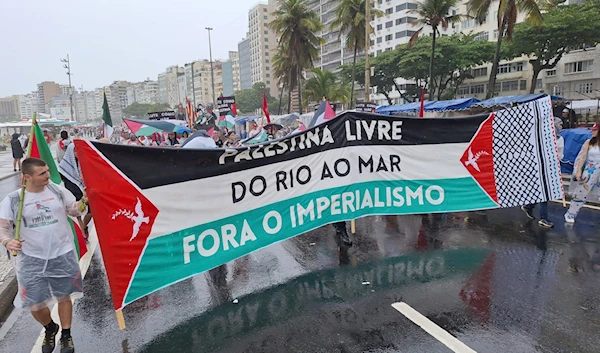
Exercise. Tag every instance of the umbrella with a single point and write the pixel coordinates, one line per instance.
(274, 125)
(148, 127)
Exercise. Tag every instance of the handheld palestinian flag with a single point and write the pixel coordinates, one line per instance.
(227, 122)
(239, 200)
(258, 138)
(324, 113)
(41, 150)
(227, 111)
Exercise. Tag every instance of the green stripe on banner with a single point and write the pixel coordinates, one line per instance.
(174, 257)
(77, 249)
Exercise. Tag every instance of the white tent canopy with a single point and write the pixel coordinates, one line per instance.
(585, 104)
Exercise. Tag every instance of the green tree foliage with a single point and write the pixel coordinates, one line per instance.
(565, 28)
(325, 84)
(141, 110)
(434, 14)
(350, 21)
(296, 26)
(508, 11)
(249, 100)
(455, 56)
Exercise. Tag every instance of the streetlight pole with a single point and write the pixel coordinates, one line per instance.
(367, 45)
(212, 72)
(67, 66)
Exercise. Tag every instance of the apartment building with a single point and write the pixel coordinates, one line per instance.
(245, 63)
(45, 91)
(263, 44)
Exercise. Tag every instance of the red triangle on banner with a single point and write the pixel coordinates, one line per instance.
(123, 217)
(479, 160)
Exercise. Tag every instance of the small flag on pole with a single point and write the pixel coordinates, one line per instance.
(265, 107)
(107, 121)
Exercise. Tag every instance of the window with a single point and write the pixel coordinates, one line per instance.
(268, 75)
(510, 67)
(389, 24)
(551, 73)
(468, 23)
(406, 6)
(538, 84)
(264, 10)
(482, 36)
(267, 61)
(558, 90)
(579, 66)
(388, 38)
(380, 2)
(372, 42)
(266, 39)
(462, 91)
(510, 86)
(476, 89)
(389, 11)
(266, 47)
(266, 53)
(398, 21)
(400, 34)
(268, 82)
(496, 34)
(265, 17)
(522, 85)
(585, 87)
(266, 24)
(379, 39)
(267, 67)
(411, 6)
(379, 27)
(266, 32)
(482, 71)
(379, 52)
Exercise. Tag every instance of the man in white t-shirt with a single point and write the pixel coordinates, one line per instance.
(46, 264)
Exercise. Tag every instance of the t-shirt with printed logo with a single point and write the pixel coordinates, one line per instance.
(44, 227)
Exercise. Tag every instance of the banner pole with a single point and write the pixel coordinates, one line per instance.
(23, 185)
(564, 202)
(120, 319)
(353, 226)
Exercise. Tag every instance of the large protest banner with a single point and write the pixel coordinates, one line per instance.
(164, 215)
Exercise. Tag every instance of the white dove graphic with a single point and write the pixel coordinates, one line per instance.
(472, 161)
(138, 219)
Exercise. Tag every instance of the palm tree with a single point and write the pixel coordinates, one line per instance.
(296, 25)
(350, 20)
(435, 14)
(282, 68)
(508, 11)
(325, 84)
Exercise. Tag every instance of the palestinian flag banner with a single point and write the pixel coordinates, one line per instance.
(351, 166)
(41, 150)
(258, 138)
(227, 111)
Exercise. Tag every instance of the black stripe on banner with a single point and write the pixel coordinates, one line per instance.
(151, 166)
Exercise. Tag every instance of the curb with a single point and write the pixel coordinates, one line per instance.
(8, 291)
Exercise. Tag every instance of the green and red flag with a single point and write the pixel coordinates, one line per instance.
(40, 149)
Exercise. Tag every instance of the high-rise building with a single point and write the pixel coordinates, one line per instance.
(65, 90)
(28, 104)
(234, 57)
(263, 44)
(85, 106)
(182, 87)
(46, 90)
(203, 81)
(245, 63)
(168, 85)
(9, 107)
(227, 78)
(143, 92)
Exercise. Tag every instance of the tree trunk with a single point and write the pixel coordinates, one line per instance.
(290, 100)
(431, 64)
(536, 72)
(492, 82)
(353, 73)
(387, 96)
(300, 89)
(280, 98)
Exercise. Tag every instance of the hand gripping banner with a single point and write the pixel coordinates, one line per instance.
(164, 215)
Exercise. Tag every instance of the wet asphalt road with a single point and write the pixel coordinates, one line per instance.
(494, 280)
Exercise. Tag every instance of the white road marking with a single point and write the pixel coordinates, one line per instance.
(84, 264)
(431, 328)
(585, 205)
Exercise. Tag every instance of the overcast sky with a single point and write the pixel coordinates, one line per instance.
(111, 40)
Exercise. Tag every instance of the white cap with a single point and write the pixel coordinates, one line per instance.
(566, 110)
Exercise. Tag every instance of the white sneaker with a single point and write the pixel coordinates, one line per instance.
(569, 218)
